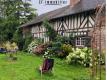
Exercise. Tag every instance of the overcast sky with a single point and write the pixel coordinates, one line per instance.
(41, 8)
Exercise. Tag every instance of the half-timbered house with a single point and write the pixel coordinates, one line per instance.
(78, 19)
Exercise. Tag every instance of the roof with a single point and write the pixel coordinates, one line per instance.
(83, 5)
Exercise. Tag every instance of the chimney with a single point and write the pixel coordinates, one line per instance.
(74, 2)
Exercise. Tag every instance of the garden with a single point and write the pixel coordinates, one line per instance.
(70, 62)
(25, 57)
(26, 67)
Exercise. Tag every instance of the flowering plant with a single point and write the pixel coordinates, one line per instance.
(48, 54)
(33, 45)
(10, 46)
(81, 56)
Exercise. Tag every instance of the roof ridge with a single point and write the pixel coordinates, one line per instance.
(84, 5)
(54, 10)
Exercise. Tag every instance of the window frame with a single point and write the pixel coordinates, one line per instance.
(80, 41)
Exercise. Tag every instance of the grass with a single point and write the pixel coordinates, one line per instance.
(25, 68)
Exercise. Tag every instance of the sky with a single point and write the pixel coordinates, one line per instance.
(42, 8)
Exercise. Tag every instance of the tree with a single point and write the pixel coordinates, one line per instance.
(12, 14)
(18, 9)
(18, 38)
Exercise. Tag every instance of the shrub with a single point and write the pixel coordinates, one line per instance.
(18, 38)
(33, 45)
(80, 56)
(62, 39)
(64, 50)
(67, 48)
(88, 56)
(84, 57)
(27, 41)
(10, 46)
(66, 40)
(40, 49)
(56, 48)
(60, 50)
(103, 57)
(49, 53)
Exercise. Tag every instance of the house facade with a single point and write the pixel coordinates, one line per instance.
(78, 20)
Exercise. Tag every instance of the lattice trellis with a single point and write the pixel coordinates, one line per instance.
(97, 42)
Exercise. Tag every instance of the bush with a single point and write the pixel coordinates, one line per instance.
(48, 54)
(103, 57)
(10, 46)
(27, 41)
(88, 56)
(62, 39)
(18, 38)
(80, 56)
(61, 50)
(33, 45)
(67, 48)
(56, 48)
(64, 50)
(66, 40)
(40, 49)
(84, 57)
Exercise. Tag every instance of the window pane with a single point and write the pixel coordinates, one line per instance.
(80, 41)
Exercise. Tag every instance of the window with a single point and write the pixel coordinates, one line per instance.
(80, 42)
(47, 2)
(50, 2)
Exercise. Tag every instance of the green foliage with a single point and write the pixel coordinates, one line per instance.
(84, 57)
(66, 40)
(15, 9)
(27, 41)
(99, 58)
(60, 46)
(56, 45)
(18, 38)
(49, 54)
(67, 48)
(34, 44)
(53, 49)
(103, 57)
(10, 46)
(62, 39)
(81, 78)
(80, 56)
(50, 32)
(24, 69)
(11, 17)
(7, 28)
(40, 49)
(72, 39)
(56, 48)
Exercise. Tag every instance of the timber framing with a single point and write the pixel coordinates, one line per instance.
(78, 20)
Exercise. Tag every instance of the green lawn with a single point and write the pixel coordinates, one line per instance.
(25, 68)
